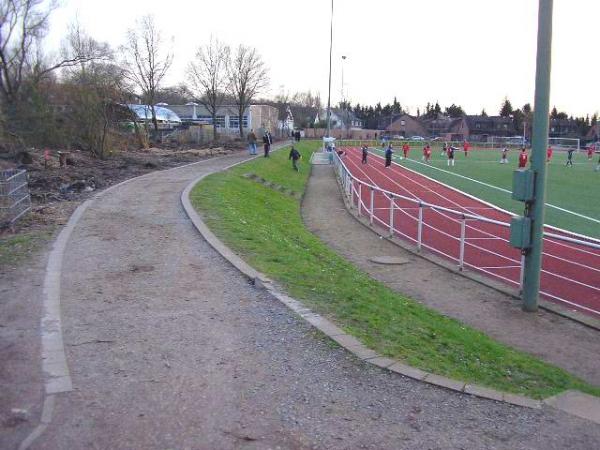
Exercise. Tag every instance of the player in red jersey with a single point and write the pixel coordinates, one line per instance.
(427, 153)
(523, 157)
(549, 152)
(405, 149)
(466, 148)
(590, 152)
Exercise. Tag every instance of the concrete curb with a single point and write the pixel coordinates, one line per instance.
(331, 330)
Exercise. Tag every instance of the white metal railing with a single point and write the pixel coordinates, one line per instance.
(354, 189)
(15, 200)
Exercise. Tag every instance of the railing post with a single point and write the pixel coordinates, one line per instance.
(461, 258)
(420, 228)
(359, 198)
(372, 206)
(350, 185)
(392, 204)
(352, 194)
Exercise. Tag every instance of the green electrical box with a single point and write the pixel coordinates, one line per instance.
(520, 232)
(523, 183)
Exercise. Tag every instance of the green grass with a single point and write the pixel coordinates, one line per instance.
(572, 188)
(265, 227)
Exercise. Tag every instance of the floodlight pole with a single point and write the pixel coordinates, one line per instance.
(329, 92)
(533, 255)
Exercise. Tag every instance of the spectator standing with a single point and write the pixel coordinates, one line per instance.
(267, 141)
(252, 142)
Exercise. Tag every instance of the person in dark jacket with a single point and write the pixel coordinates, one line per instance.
(365, 153)
(295, 156)
(388, 155)
(267, 141)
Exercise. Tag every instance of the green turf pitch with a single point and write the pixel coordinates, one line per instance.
(576, 188)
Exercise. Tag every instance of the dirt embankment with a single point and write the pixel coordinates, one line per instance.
(57, 190)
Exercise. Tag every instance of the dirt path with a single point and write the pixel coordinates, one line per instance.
(551, 337)
(169, 347)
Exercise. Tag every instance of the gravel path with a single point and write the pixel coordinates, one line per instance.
(169, 347)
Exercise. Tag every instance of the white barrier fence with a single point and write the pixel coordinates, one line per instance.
(463, 230)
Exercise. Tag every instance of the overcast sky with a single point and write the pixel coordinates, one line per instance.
(469, 52)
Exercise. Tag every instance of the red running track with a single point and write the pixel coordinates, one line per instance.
(570, 272)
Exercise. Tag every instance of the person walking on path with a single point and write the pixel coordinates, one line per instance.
(252, 142)
(388, 155)
(365, 154)
(267, 141)
(523, 157)
(570, 157)
(295, 157)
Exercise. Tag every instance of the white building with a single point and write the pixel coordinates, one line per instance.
(256, 117)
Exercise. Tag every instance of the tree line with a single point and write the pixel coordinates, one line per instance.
(78, 96)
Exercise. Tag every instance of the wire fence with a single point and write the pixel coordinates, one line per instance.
(15, 200)
(570, 265)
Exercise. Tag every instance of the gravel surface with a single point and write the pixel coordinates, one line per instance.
(170, 347)
(553, 338)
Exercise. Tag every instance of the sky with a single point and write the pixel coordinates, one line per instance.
(469, 52)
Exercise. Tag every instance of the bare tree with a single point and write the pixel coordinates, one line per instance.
(207, 75)
(247, 76)
(146, 63)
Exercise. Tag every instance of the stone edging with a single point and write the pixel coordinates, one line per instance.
(345, 340)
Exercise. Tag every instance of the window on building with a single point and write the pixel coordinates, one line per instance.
(478, 126)
(234, 121)
(204, 119)
(220, 121)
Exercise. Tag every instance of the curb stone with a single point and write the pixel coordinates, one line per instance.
(350, 343)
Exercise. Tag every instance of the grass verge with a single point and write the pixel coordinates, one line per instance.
(264, 226)
(16, 248)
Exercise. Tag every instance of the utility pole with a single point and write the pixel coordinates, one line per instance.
(535, 208)
(344, 114)
(329, 92)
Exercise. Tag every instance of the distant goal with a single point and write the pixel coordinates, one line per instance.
(564, 143)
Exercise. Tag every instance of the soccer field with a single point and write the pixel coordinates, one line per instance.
(573, 193)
